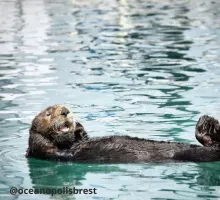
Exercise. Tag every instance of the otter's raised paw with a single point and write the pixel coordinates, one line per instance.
(208, 131)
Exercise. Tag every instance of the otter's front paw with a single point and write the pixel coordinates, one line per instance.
(208, 131)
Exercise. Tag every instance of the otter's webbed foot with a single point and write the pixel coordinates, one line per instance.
(208, 131)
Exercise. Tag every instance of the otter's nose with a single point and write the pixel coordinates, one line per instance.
(65, 111)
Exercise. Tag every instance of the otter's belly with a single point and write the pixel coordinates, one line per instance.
(121, 149)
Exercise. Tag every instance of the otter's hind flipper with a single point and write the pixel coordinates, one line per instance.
(208, 131)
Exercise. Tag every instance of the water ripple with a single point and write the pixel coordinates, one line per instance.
(140, 68)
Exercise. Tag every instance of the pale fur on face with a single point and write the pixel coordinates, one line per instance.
(51, 119)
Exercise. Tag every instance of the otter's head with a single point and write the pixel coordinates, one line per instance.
(54, 120)
(58, 125)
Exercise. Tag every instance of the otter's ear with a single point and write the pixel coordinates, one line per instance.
(208, 131)
(33, 128)
(80, 132)
(35, 125)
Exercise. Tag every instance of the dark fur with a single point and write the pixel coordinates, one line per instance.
(53, 148)
(208, 131)
(45, 143)
(125, 149)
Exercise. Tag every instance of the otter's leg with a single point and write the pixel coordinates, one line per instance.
(198, 154)
(208, 131)
(41, 147)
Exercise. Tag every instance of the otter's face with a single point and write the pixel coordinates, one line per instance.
(57, 119)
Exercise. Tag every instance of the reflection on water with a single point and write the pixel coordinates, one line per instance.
(120, 181)
(140, 68)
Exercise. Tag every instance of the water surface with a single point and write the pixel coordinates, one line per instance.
(141, 68)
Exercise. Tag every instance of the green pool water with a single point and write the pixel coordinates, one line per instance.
(144, 68)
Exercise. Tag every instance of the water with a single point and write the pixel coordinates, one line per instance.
(140, 68)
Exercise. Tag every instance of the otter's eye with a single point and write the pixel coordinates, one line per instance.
(48, 114)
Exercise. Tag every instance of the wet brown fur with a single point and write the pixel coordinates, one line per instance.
(46, 142)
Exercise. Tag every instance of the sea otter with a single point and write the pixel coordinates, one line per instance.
(55, 135)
